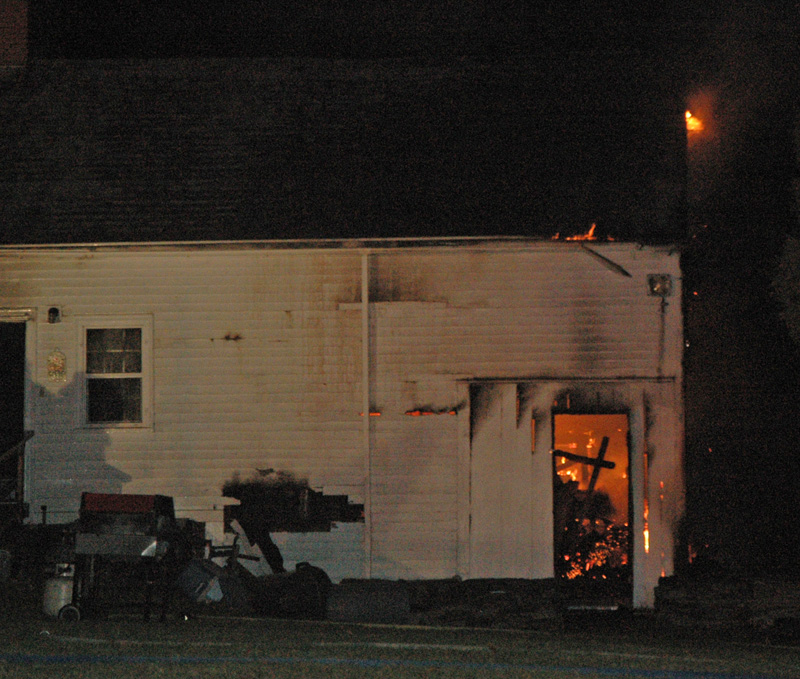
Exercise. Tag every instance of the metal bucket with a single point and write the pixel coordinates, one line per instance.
(57, 594)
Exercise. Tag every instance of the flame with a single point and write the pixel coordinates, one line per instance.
(693, 123)
(607, 552)
(570, 474)
(589, 235)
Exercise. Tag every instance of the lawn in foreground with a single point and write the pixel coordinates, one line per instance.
(252, 647)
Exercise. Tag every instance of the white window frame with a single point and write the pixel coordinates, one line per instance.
(145, 324)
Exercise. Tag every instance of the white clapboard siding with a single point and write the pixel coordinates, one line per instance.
(283, 396)
(257, 361)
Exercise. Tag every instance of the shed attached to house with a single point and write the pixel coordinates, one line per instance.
(489, 402)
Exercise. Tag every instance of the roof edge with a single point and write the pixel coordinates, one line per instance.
(508, 242)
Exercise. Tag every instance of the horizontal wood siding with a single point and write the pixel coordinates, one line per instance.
(285, 395)
(284, 390)
(536, 313)
(444, 317)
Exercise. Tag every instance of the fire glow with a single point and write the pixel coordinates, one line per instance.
(591, 502)
(589, 235)
(693, 123)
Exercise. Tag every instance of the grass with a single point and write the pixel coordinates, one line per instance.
(235, 647)
(228, 646)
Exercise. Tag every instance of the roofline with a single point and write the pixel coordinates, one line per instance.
(325, 244)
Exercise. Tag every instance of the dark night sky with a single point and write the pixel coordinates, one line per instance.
(736, 64)
(743, 468)
(353, 28)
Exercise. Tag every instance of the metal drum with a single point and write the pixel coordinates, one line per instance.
(58, 593)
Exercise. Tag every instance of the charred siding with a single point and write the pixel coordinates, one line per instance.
(257, 363)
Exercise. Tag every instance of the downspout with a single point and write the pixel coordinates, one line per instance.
(662, 339)
(365, 410)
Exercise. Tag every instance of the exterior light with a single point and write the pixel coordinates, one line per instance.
(659, 284)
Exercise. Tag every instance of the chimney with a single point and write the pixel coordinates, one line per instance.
(13, 37)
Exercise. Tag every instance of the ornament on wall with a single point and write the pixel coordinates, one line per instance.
(57, 366)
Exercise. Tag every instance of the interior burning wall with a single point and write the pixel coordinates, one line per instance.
(591, 498)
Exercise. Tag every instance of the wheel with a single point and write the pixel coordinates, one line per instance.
(69, 613)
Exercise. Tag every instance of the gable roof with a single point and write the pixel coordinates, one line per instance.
(228, 149)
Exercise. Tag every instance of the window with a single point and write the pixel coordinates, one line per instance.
(116, 378)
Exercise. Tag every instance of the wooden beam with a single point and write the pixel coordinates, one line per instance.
(601, 454)
(583, 459)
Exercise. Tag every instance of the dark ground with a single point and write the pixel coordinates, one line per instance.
(749, 609)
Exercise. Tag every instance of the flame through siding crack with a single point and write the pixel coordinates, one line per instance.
(430, 410)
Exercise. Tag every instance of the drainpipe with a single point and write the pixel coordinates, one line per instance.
(365, 409)
(662, 332)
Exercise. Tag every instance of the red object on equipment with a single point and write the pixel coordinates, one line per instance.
(123, 525)
(124, 534)
(117, 504)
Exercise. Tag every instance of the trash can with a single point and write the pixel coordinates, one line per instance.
(58, 590)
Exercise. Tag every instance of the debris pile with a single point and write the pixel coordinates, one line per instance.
(301, 593)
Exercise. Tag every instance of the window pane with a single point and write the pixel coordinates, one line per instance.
(132, 362)
(94, 363)
(94, 341)
(112, 362)
(133, 339)
(113, 350)
(114, 400)
(114, 339)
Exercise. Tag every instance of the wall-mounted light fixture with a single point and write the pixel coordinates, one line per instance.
(54, 315)
(659, 284)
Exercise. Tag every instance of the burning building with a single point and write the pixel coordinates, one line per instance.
(465, 392)
(211, 267)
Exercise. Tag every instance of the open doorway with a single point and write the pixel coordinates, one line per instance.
(12, 408)
(591, 503)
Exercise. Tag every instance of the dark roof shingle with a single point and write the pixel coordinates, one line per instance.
(208, 149)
